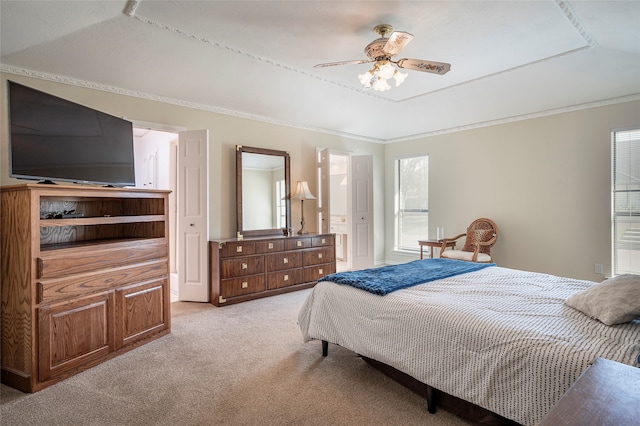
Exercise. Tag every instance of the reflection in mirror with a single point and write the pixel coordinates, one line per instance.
(262, 177)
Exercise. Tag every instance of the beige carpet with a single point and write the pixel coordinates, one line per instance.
(242, 364)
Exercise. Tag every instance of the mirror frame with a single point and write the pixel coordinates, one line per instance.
(287, 183)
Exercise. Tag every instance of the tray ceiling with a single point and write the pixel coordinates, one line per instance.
(510, 59)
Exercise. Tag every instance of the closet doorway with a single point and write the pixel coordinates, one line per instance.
(160, 157)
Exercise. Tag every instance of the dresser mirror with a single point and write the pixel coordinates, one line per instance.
(262, 190)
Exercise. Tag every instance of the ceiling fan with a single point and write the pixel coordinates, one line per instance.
(380, 51)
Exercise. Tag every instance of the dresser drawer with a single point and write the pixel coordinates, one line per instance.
(285, 278)
(241, 266)
(269, 246)
(239, 286)
(297, 243)
(74, 286)
(318, 256)
(315, 273)
(238, 248)
(284, 260)
(323, 240)
(75, 260)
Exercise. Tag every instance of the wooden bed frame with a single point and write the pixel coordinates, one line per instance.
(459, 407)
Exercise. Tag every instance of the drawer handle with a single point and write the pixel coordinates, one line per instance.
(320, 272)
(285, 260)
(286, 278)
(319, 255)
(244, 265)
(239, 249)
(299, 243)
(324, 241)
(270, 246)
(245, 284)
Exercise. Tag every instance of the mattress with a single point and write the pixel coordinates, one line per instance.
(499, 338)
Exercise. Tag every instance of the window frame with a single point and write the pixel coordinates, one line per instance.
(627, 213)
(399, 210)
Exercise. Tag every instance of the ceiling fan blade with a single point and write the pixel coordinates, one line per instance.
(333, 64)
(397, 41)
(425, 66)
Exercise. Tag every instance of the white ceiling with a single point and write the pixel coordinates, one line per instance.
(510, 59)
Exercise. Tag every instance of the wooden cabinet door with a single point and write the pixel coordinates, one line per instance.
(74, 334)
(141, 310)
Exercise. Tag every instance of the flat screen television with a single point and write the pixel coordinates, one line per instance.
(53, 139)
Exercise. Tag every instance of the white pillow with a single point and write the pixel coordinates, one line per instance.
(614, 301)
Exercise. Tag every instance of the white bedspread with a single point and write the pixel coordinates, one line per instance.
(500, 338)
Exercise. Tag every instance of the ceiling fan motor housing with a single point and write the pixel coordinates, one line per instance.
(374, 50)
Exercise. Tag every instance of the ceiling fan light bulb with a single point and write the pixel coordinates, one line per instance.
(365, 79)
(399, 77)
(386, 70)
(381, 85)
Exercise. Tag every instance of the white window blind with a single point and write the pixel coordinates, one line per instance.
(626, 202)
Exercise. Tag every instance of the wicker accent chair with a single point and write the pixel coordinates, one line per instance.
(481, 235)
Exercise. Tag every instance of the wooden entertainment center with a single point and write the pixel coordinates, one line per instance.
(85, 277)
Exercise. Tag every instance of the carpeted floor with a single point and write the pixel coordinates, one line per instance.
(242, 364)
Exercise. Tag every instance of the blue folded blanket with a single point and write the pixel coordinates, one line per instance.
(386, 279)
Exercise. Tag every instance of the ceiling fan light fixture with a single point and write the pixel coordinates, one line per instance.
(365, 79)
(385, 70)
(377, 77)
(399, 77)
(381, 85)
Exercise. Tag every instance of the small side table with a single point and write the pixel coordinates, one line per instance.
(433, 244)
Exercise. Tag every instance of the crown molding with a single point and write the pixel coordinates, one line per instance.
(223, 111)
(9, 69)
(522, 117)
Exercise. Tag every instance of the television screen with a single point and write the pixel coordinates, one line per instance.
(55, 139)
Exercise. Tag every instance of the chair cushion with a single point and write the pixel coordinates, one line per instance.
(465, 255)
(613, 301)
(478, 235)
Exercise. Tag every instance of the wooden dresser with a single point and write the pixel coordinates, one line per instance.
(251, 268)
(85, 277)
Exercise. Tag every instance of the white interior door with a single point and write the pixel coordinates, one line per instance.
(193, 233)
(362, 250)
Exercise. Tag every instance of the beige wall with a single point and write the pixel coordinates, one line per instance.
(225, 132)
(546, 182)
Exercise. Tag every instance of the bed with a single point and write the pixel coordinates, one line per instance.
(499, 338)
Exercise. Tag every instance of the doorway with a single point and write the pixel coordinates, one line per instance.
(333, 205)
(155, 153)
(345, 206)
(177, 161)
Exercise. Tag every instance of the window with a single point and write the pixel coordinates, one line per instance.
(281, 205)
(626, 202)
(412, 202)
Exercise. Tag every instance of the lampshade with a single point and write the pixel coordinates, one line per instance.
(302, 192)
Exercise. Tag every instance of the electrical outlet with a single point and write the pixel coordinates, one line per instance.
(598, 268)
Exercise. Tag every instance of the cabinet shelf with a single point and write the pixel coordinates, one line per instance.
(99, 220)
(90, 243)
